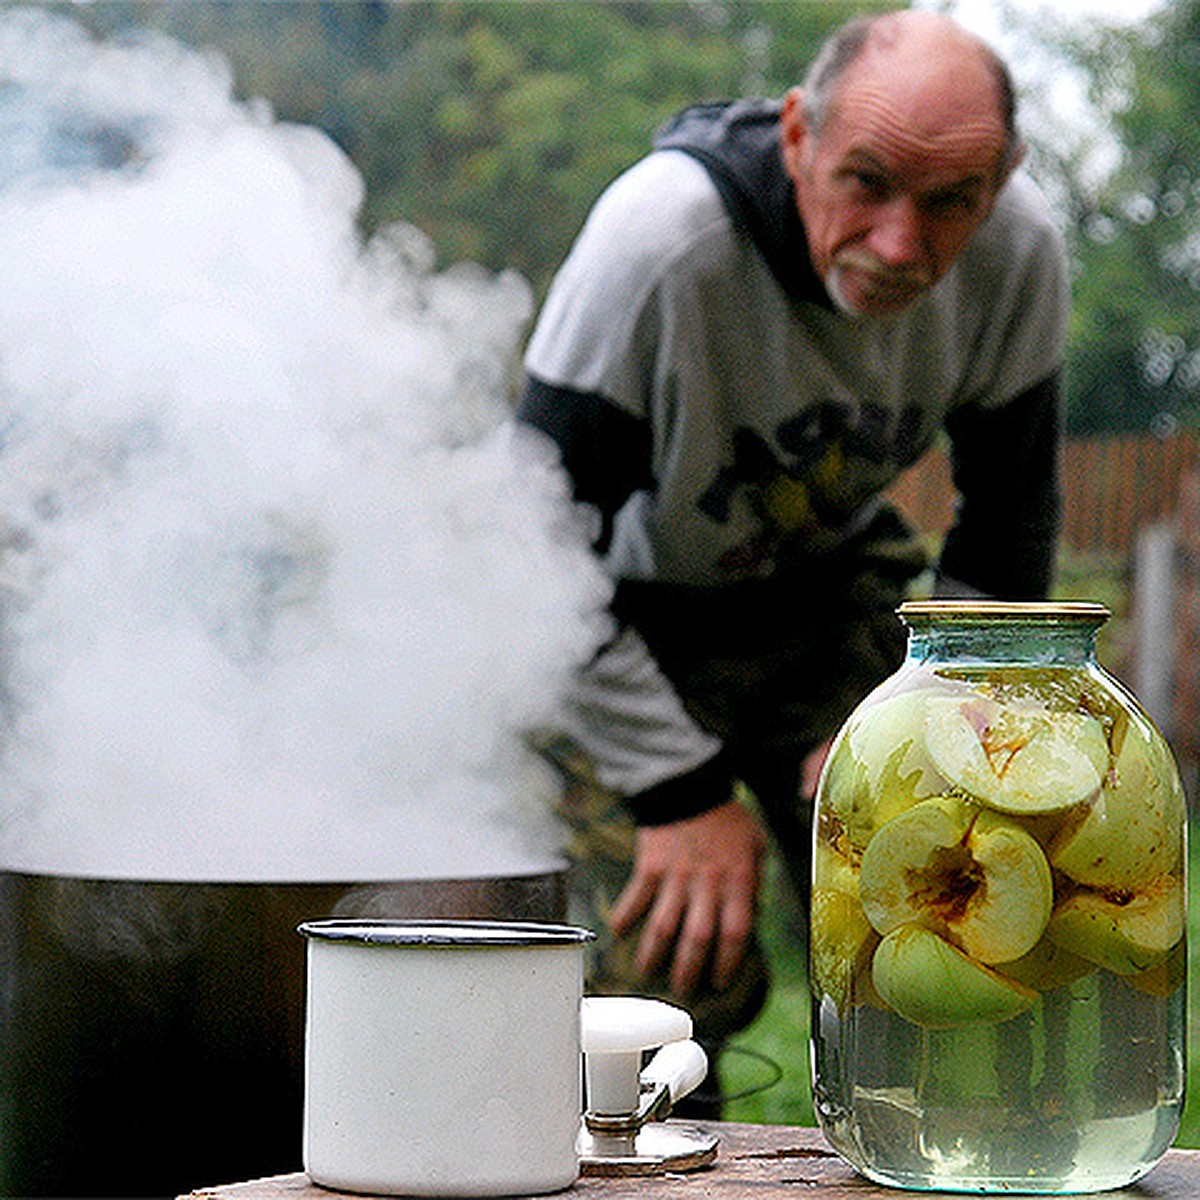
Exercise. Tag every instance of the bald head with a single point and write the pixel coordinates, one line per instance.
(923, 58)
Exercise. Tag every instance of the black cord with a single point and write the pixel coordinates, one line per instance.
(765, 1060)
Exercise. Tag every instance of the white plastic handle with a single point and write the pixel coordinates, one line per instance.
(681, 1067)
(624, 1023)
(614, 1030)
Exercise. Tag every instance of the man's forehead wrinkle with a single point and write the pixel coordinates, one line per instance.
(883, 131)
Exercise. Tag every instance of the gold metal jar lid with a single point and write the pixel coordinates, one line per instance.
(1008, 611)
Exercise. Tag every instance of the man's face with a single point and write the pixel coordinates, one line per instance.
(895, 185)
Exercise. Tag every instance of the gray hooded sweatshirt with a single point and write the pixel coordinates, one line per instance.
(735, 431)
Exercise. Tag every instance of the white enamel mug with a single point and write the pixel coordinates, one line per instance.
(442, 1058)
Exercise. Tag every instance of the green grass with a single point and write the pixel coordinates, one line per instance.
(765, 1071)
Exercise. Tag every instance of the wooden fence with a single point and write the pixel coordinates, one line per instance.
(1112, 489)
(1185, 637)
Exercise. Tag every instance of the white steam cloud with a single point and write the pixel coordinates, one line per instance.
(280, 588)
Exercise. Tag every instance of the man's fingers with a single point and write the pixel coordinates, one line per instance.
(662, 925)
(695, 883)
(810, 770)
(632, 904)
(707, 923)
(737, 927)
(695, 944)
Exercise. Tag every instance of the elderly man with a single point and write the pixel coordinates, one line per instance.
(759, 327)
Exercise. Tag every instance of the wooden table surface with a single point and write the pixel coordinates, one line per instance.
(754, 1162)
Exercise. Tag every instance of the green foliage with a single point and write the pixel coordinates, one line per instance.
(493, 125)
(1134, 354)
(764, 1071)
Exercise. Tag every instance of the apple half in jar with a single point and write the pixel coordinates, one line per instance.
(880, 767)
(1128, 933)
(931, 983)
(974, 876)
(842, 943)
(1132, 831)
(1018, 758)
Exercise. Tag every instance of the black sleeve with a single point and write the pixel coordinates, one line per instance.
(1005, 465)
(700, 790)
(607, 453)
(605, 450)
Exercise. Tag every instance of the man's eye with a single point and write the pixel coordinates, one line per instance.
(869, 183)
(952, 204)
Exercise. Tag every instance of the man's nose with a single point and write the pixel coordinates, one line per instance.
(896, 235)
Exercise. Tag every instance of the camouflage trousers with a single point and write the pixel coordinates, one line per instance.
(771, 704)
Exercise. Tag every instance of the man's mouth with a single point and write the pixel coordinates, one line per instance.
(875, 286)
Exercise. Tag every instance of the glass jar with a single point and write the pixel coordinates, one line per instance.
(998, 945)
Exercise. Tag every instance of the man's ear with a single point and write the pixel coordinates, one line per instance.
(1014, 161)
(793, 131)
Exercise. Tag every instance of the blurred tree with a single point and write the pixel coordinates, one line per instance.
(1134, 354)
(492, 125)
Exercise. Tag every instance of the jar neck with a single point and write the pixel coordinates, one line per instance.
(992, 632)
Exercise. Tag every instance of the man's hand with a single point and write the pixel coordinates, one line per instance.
(696, 883)
(810, 771)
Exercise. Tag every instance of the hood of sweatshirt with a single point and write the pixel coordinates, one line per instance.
(738, 143)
